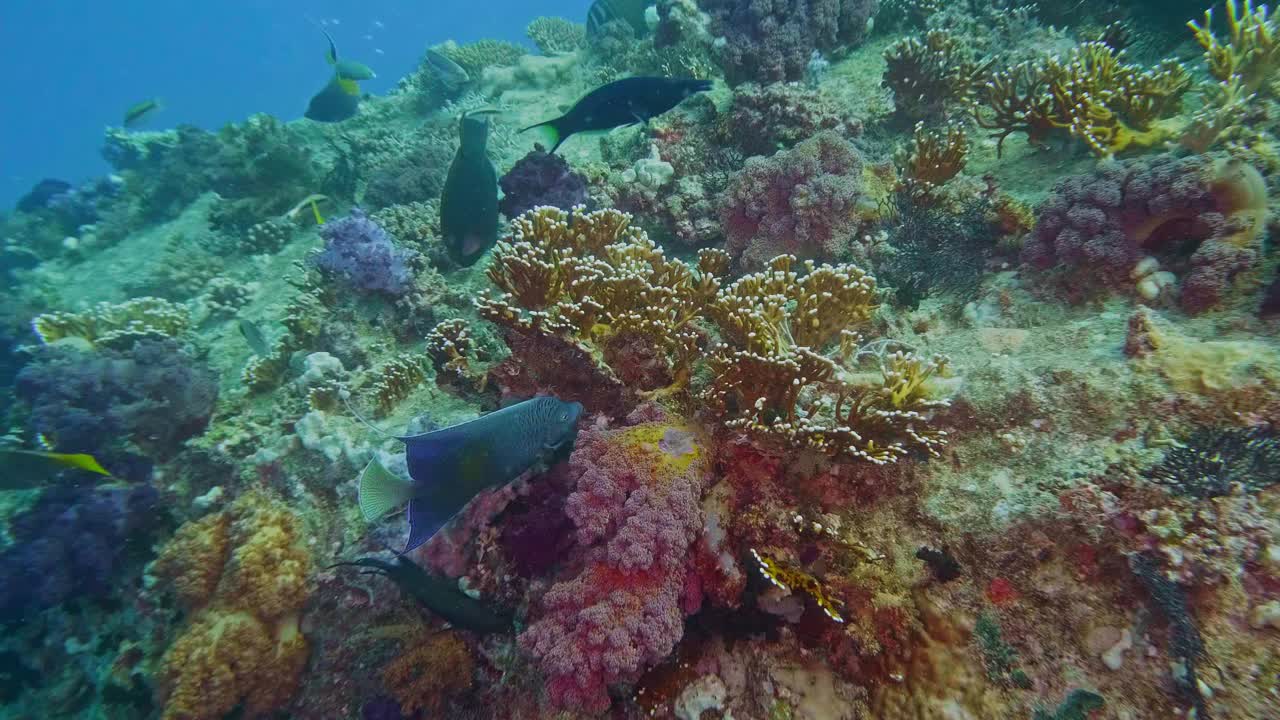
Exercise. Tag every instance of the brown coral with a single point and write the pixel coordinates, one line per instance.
(430, 670)
(192, 560)
(930, 75)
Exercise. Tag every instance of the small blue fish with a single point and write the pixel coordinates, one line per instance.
(448, 467)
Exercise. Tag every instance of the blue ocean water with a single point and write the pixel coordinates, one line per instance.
(80, 64)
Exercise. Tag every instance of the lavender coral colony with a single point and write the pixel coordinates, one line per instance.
(892, 359)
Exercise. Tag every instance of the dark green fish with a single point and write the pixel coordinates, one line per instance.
(143, 110)
(334, 103)
(340, 98)
(622, 102)
(438, 594)
(448, 467)
(254, 337)
(469, 201)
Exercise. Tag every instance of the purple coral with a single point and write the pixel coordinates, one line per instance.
(155, 394)
(541, 178)
(763, 119)
(619, 609)
(72, 543)
(772, 40)
(1201, 217)
(359, 251)
(804, 201)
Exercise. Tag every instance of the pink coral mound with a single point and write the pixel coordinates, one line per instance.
(620, 610)
(805, 202)
(1201, 218)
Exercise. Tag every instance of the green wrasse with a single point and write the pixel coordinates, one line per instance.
(136, 114)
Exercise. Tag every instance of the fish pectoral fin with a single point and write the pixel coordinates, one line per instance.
(381, 491)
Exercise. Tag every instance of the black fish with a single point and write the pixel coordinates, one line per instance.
(43, 192)
(469, 201)
(437, 594)
(334, 103)
(622, 102)
(449, 467)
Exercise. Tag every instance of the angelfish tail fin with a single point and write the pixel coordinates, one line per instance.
(550, 132)
(381, 491)
(424, 521)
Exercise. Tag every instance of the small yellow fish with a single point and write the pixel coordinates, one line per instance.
(28, 468)
(315, 211)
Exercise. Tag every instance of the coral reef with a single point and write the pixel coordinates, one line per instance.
(769, 42)
(1091, 94)
(635, 510)
(765, 119)
(242, 575)
(805, 201)
(115, 326)
(554, 35)
(475, 57)
(359, 252)
(1199, 217)
(540, 178)
(932, 77)
(154, 394)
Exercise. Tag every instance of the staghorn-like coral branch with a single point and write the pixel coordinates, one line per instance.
(1251, 53)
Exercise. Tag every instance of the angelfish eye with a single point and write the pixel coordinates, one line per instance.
(564, 417)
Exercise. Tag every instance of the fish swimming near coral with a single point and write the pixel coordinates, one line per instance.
(620, 103)
(339, 99)
(139, 112)
(32, 468)
(438, 594)
(253, 336)
(450, 466)
(469, 201)
(602, 12)
(451, 74)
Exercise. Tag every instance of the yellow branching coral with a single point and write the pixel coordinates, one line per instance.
(593, 277)
(786, 371)
(395, 379)
(242, 574)
(115, 325)
(933, 158)
(1090, 94)
(1251, 53)
(451, 349)
(930, 74)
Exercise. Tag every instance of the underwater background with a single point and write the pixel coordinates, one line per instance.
(695, 359)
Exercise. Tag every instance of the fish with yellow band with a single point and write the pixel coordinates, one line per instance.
(793, 579)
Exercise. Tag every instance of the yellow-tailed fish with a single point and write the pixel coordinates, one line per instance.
(30, 468)
(315, 212)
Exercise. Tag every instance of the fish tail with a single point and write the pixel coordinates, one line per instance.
(315, 211)
(380, 491)
(550, 131)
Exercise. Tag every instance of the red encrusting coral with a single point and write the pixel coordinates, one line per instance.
(1201, 217)
(619, 607)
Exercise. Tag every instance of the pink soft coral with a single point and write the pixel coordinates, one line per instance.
(635, 510)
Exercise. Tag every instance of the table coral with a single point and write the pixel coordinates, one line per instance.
(805, 201)
(243, 576)
(1201, 216)
(555, 35)
(635, 510)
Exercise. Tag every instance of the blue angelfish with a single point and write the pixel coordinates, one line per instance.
(448, 467)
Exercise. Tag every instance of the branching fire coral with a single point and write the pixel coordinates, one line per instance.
(1251, 54)
(930, 75)
(593, 277)
(772, 378)
(932, 159)
(243, 576)
(118, 325)
(1091, 94)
